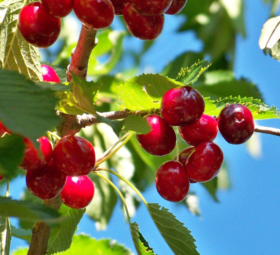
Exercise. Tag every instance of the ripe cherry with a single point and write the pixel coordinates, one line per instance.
(184, 155)
(141, 26)
(46, 182)
(74, 156)
(34, 159)
(1, 177)
(205, 162)
(119, 6)
(154, 7)
(49, 74)
(3, 129)
(94, 13)
(205, 129)
(38, 27)
(77, 192)
(172, 181)
(236, 123)
(176, 6)
(58, 8)
(182, 106)
(161, 140)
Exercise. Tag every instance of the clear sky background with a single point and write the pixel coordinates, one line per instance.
(246, 221)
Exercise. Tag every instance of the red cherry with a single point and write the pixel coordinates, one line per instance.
(58, 8)
(236, 123)
(3, 129)
(172, 181)
(1, 178)
(34, 159)
(119, 6)
(182, 106)
(77, 192)
(154, 7)
(205, 162)
(49, 74)
(176, 6)
(184, 155)
(205, 129)
(38, 27)
(141, 26)
(74, 156)
(161, 140)
(46, 182)
(94, 13)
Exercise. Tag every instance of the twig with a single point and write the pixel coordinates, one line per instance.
(267, 130)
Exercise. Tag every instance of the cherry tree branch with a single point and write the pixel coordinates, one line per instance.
(267, 130)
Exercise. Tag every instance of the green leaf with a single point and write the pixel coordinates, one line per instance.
(24, 234)
(221, 83)
(26, 108)
(60, 87)
(61, 237)
(141, 245)
(5, 236)
(83, 244)
(20, 251)
(108, 42)
(256, 106)
(11, 154)
(136, 124)
(173, 231)
(191, 75)
(15, 53)
(116, 125)
(211, 187)
(144, 92)
(28, 211)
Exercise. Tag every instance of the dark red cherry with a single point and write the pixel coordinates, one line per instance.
(73, 155)
(236, 123)
(176, 6)
(119, 6)
(46, 182)
(58, 8)
(49, 74)
(1, 178)
(141, 26)
(184, 155)
(205, 162)
(38, 27)
(172, 181)
(161, 140)
(151, 7)
(77, 192)
(182, 106)
(205, 129)
(94, 13)
(34, 159)
(3, 129)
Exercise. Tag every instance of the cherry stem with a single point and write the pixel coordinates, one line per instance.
(267, 130)
(177, 152)
(54, 135)
(127, 182)
(114, 149)
(117, 190)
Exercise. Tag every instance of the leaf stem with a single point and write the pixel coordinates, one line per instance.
(111, 151)
(127, 182)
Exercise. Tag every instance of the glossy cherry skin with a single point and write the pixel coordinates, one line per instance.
(58, 8)
(3, 129)
(94, 13)
(176, 6)
(141, 26)
(182, 106)
(205, 129)
(119, 6)
(73, 155)
(34, 159)
(161, 140)
(38, 27)
(49, 74)
(236, 123)
(46, 182)
(172, 181)
(77, 192)
(205, 162)
(151, 7)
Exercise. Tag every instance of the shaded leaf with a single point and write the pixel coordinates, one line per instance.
(15, 53)
(116, 125)
(24, 234)
(61, 237)
(136, 124)
(173, 231)
(55, 86)
(211, 187)
(5, 236)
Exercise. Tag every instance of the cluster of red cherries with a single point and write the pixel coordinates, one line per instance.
(201, 162)
(40, 24)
